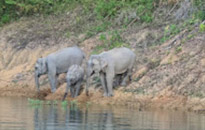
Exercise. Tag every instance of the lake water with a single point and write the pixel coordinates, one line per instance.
(19, 114)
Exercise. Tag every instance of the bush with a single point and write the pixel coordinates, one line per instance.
(202, 27)
(106, 8)
(200, 12)
(102, 8)
(110, 41)
(17, 8)
(169, 32)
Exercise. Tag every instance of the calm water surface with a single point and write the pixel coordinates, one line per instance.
(18, 114)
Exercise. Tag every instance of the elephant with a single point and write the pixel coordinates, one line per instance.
(118, 79)
(115, 62)
(57, 63)
(74, 78)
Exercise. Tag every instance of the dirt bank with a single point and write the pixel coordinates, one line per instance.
(168, 75)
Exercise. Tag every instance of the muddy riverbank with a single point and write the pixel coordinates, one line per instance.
(166, 100)
(169, 70)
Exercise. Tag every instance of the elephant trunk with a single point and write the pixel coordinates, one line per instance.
(37, 81)
(88, 75)
(66, 91)
(87, 85)
(65, 95)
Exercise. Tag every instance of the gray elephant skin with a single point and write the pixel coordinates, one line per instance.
(57, 63)
(74, 78)
(110, 64)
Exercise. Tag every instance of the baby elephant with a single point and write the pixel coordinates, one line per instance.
(74, 79)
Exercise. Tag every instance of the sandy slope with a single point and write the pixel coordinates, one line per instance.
(170, 75)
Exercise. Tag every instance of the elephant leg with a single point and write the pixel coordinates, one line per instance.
(77, 86)
(103, 82)
(127, 76)
(72, 89)
(125, 79)
(116, 81)
(109, 79)
(130, 74)
(52, 79)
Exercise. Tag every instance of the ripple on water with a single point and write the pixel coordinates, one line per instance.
(17, 114)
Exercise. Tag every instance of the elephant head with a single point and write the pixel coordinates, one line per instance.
(96, 64)
(40, 69)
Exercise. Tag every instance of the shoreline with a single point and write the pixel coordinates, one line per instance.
(166, 101)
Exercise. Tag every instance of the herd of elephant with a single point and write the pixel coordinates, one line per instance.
(115, 64)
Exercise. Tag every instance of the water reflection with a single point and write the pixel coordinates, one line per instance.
(17, 114)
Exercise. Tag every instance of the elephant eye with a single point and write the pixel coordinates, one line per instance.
(36, 67)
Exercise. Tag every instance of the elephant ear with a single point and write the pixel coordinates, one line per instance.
(95, 61)
(38, 60)
(44, 64)
(103, 63)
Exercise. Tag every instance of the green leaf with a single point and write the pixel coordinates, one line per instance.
(10, 2)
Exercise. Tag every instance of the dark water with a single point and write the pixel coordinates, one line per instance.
(18, 114)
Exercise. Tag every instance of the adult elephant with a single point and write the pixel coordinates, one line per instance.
(57, 63)
(110, 64)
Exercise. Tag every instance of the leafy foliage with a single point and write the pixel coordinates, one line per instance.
(202, 27)
(14, 9)
(103, 10)
(169, 32)
(200, 12)
(110, 41)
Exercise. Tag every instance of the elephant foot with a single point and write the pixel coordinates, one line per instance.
(110, 95)
(53, 90)
(123, 84)
(105, 95)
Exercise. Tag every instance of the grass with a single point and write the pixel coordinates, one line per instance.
(109, 41)
(103, 9)
(169, 32)
(202, 27)
(35, 101)
(178, 49)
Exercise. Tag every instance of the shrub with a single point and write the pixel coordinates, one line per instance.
(202, 27)
(200, 12)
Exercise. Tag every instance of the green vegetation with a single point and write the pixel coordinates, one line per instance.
(88, 104)
(200, 12)
(202, 27)
(178, 49)
(169, 32)
(14, 9)
(74, 102)
(97, 29)
(64, 104)
(41, 102)
(74, 105)
(35, 101)
(103, 9)
(110, 41)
